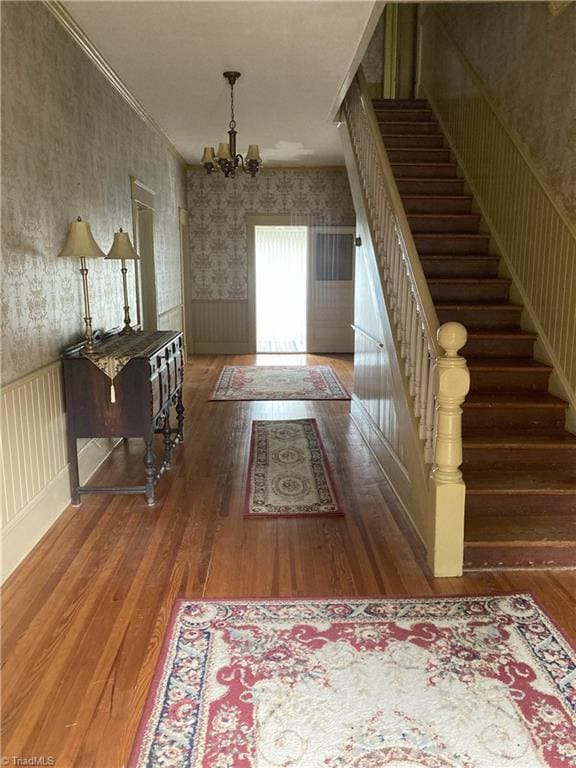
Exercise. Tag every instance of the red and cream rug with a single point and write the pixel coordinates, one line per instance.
(288, 472)
(470, 682)
(279, 382)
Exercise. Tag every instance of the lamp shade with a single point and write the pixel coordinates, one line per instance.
(208, 156)
(253, 153)
(122, 247)
(80, 243)
(224, 152)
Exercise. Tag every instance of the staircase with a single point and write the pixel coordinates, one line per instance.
(519, 462)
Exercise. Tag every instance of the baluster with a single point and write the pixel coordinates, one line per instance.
(429, 426)
(424, 381)
(412, 346)
(418, 365)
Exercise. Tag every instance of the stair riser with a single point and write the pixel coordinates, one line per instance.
(502, 420)
(464, 266)
(402, 128)
(419, 155)
(430, 186)
(423, 171)
(474, 318)
(507, 381)
(521, 556)
(431, 141)
(485, 509)
(469, 292)
(400, 104)
(504, 348)
(465, 224)
(515, 457)
(447, 244)
(404, 115)
(437, 205)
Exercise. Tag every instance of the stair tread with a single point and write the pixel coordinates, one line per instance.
(500, 333)
(422, 162)
(518, 399)
(557, 441)
(470, 280)
(502, 364)
(429, 215)
(455, 235)
(541, 481)
(438, 197)
(483, 256)
(479, 305)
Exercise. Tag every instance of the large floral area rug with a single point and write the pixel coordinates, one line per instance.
(471, 682)
(288, 473)
(279, 382)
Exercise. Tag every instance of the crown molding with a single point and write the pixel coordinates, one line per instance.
(66, 20)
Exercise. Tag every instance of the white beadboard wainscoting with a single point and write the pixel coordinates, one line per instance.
(34, 462)
(531, 230)
(219, 327)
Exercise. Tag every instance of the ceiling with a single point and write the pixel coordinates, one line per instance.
(293, 55)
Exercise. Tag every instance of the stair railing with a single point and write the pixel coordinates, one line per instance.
(437, 381)
(406, 292)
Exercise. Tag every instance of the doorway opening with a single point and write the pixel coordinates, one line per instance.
(281, 267)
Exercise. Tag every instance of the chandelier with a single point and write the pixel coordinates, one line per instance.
(227, 159)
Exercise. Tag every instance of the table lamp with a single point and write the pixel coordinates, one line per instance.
(122, 249)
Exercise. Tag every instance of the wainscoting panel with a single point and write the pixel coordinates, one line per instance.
(171, 320)
(220, 327)
(34, 462)
(531, 230)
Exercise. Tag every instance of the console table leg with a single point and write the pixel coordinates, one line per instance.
(167, 432)
(74, 475)
(180, 415)
(150, 472)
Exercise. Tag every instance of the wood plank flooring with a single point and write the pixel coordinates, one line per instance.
(84, 616)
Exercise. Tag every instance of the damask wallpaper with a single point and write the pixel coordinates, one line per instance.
(217, 213)
(526, 58)
(69, 146)
(373, 61)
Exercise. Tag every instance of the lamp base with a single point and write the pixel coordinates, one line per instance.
(126, 331)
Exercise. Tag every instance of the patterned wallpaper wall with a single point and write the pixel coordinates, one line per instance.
(373, 61)
(526, 58)
(69, 146)
(218, 208)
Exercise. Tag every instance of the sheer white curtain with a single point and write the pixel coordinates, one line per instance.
(281, 289)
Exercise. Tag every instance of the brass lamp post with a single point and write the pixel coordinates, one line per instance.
(80, 244)
(122, 249)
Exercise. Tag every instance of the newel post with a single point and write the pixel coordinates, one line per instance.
(451, 385)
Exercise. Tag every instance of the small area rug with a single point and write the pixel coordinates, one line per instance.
(279, 382)
(470, 682)
(288, 472)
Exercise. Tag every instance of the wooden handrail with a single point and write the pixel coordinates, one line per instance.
(419, 283)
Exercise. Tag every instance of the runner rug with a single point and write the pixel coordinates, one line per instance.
(279, 382)
(471, 682)
(288, 472)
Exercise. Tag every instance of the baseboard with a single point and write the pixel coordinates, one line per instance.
(24, 532)
(220, 348)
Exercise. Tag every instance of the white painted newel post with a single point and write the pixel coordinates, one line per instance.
(451, 385)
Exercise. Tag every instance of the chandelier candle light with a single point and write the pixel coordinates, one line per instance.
(80, 244)
(122, 249)
(227, 159)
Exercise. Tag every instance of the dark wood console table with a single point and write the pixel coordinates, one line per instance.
(126, 388)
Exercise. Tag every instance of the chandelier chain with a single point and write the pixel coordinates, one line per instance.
(232, 121)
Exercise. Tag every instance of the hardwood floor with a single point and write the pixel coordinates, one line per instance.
(84, 616)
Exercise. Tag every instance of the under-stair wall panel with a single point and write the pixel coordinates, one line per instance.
(381, 403)
(531, 230)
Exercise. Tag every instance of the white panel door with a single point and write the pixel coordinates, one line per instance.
(330, 289)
